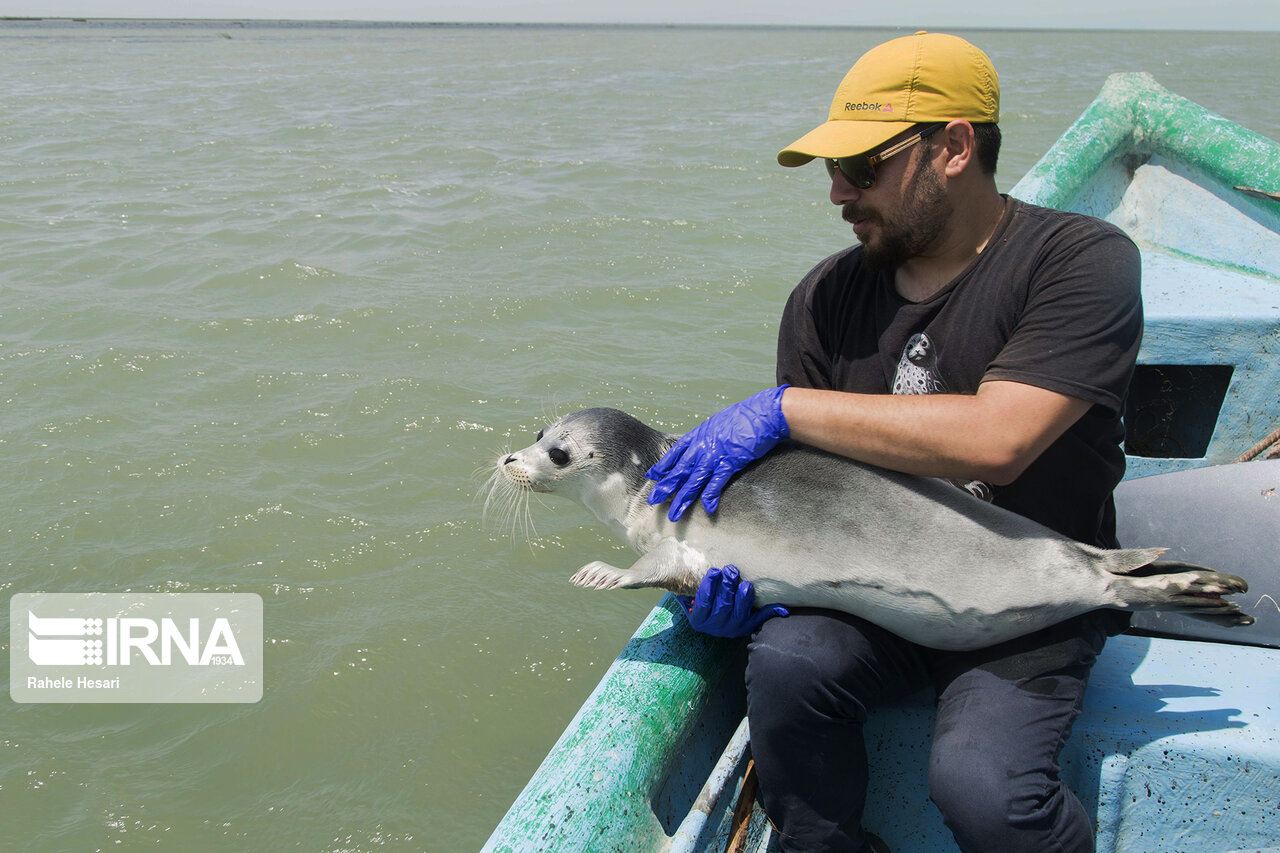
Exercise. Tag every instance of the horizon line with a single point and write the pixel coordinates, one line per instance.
(243, 21)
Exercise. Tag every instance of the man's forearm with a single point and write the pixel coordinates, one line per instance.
(990, 436)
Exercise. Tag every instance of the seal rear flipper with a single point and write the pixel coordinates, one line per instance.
(1183, 587)
(671, 565)
(1134, 562)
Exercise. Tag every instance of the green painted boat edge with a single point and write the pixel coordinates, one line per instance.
(614, 754)
(1136, 126)
(1133, 112)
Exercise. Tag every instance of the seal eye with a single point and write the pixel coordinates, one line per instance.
(558, 456)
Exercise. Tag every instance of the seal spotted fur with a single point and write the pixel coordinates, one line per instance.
(808, 528)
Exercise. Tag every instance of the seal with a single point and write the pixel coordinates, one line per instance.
(915, 555)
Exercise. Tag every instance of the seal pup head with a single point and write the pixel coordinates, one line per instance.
(597, 457)
(583, 449)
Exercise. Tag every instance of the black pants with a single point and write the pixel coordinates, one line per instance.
(1004, 714)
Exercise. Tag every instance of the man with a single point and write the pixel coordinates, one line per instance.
(968, 336)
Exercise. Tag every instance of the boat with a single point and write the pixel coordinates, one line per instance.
(1178, 748)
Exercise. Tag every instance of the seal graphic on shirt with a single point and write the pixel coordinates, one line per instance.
(918, 373)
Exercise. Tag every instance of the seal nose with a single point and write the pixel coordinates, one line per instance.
(508, 460)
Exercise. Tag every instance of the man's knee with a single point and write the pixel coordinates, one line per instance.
(972, 793)
(789, 673)
(990, 806)
(814, 662)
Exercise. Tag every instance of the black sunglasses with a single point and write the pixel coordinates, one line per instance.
(860, 169)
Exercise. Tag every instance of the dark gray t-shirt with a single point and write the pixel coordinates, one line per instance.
(1053, 302)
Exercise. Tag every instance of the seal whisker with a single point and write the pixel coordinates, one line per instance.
(509, 504)
(549, 410)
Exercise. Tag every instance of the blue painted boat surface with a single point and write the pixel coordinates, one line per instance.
(1178, 748)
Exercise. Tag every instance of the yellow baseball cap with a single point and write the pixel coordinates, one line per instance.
(920, 78)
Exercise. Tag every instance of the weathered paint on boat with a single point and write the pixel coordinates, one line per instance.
(620, 776)
(1178, 748)
(1167, 171)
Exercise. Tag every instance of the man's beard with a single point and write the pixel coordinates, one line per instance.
(909, 231)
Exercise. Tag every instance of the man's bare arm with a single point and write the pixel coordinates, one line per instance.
(990, 436)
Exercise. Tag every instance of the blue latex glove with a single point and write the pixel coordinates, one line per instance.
(723, 606)
(704, 459)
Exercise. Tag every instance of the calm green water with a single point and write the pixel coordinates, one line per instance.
(270, 296)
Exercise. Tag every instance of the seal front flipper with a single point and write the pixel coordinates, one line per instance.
(671, 565)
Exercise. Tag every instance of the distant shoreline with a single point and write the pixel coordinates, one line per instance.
(286, 23)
